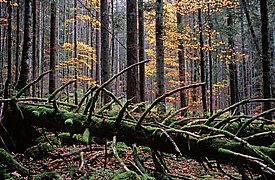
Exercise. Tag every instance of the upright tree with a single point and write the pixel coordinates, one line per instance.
(17, 41)
(202, 62)
(160, 54)
(181, 59)
(104, 60)
(34, 48)
(75, 52)
(9, 44)
(132, 74)
(265, 56)
(24, 72)
(232, 64)
(141, 50)
(52, 78)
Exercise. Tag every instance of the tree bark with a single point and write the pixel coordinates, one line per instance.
(228, 149)
(232, 64)
(132, 58)
(202, 63)
(34, 35)
(75, 53)
(265, 56)
(18, 42)
(160, 55)
(9, 44)
(24, 73)
(141, 50)
(104, 60)
(52, 80)
(181, 59)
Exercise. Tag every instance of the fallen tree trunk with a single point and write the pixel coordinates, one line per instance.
(221, 145)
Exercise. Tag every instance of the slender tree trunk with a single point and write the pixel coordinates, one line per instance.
(253, 34)
(42, 46)
(202, 62)
(265, 56)
(97, 46)
(232, 64)
(112, 39)
(1, 49)
(75, 53)
(183, 99)
(52, 80)
(34, 60)
(9, 44)
(210, 62)
(132, 74)
(141, 50)
(244, 69)
(105, 63)
(160, 55)
(24, 73)
(17, 41)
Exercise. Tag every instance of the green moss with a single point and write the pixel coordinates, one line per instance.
(69, 122)
(121, 148)
(8, 161)
(48, 176)
(36, 113)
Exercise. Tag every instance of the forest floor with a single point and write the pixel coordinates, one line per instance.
(67, 162)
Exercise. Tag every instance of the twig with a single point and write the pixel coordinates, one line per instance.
(252, 119)
(172, 141)
(229, 134)
(137, 160)
(31, 83)
(211, 119)
(82, 160)
(173, 114)
(164, 96)
(60, 89)
(259, 135)
(118, 102)
(90, 91)
(117, 156)
(121, 112)
(249, 158)
(109, 80)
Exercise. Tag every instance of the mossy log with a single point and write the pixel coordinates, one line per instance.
(8, 160)
(223, 148)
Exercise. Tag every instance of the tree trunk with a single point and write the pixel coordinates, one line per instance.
(97, 46)
(132, 75)
(265, 56)
(141, 50)
(160, 55)
(52, 80)
(232, 64)
(202, 62)
(189, 143)
(18, 42)
(75, 53)
(9, 44)
(183, 99)
(104, 60)
(24, 73)
(34, 34)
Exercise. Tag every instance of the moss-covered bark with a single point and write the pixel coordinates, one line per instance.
(7, 160)
(188, 142)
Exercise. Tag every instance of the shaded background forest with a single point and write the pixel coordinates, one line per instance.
(222, 43)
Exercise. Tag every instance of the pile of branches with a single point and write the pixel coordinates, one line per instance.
(241, 140)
